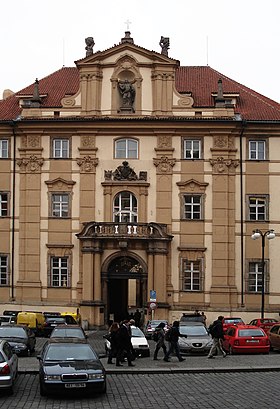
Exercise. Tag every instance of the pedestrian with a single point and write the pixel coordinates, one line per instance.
(217, 333)
(137, 318)
(204, 318)
(113, 338)
(160, 334)
(124, 344)
(174, 334)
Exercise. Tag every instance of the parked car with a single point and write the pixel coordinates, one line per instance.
(21, 338)
(8, 366)
(52, 322)
(14, 313)
(139, 342)
(8, 319)
(76, 315)
(192, 317)
(246, 339)
(34, 320)
(194, 338)
(68, 331)
(274, 336)
(151, 326)
(229, 321)
(264, 323)
(67, 365)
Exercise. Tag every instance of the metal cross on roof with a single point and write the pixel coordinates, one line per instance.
(127, 22)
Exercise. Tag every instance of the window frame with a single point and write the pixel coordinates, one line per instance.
(59, 267)
(1, 204)
(60, 205)
(188, 274)
(7, 268)
(257, 150)
(192, 205)
(257, 263)
(2, 150)
(118, 209)
(54, 140)
(265, 199)
(127, 150)
(192, 150)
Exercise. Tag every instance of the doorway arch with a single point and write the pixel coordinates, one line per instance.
(124, 284)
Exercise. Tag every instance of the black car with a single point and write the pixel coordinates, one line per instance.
(52, 322)
(68, 331)
(70, 365)
(21, 338)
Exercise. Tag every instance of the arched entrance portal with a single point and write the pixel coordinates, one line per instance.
(125, 287)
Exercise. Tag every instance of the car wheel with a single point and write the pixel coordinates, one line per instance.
(145, 354)
(230, 350)
(43, 391)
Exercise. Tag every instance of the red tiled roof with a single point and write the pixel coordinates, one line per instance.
(200, 81)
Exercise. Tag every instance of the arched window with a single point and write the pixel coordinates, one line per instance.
(125, 208)
(126, 148)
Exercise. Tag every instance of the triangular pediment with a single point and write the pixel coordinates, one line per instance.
(192, 185)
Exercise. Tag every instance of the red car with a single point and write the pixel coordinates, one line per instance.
(264, 323)
(246, 339)
(229, 321)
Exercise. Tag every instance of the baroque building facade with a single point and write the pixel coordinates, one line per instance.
(128, 179)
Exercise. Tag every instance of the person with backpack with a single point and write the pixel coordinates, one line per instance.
(217, 332)
(158, 337)
(173, 337)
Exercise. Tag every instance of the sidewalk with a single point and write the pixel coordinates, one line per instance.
(192, 364)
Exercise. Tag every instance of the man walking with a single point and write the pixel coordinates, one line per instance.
(174, 334)
(217, 333)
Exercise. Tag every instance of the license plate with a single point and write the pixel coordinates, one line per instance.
(75, 385)
(252, 341)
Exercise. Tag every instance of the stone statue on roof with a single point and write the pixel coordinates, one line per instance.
(164, 43)
(89, 46)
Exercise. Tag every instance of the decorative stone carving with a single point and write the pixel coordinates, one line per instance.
(87, 164)
(164, 142)
(68, 102)
(89, 46)
(31, 164)
(88, 142)
(186, 102)
(164, 43)
(124, 172)
(164, 164)
(221, 165)
(223, 142)
(33, 141)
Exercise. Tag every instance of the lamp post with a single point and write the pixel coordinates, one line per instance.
(269, 234)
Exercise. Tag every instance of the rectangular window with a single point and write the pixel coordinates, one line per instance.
(258, 208)
(60, 272)
(192, 280)
(4, 270)
(257, 150)
(61, 148)
(192, 149)
(3, 204)
(255, 277)
(3, 148)
(60, 205)
(192, 207)
(126, 149)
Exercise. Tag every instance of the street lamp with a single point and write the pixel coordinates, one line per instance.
(269, 234)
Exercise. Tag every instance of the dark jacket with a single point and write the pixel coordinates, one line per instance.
(218, 331)
(174, 334)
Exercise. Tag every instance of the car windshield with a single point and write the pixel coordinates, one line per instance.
(250, 333)
(13, 332)
(56, 320)
(67, 332)
(233, 320)
(136, 332)
(70, 352)
(190, 330)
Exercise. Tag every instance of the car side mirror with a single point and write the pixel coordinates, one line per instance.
(39, 357)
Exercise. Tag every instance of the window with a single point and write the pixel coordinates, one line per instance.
(192, 149)
(126, 148)
(125, 208)
(61, 148)
(3, 148)
(3, 204)
(192, 279)
(60, 205)
(258, 208)
(255, 277)
(257, 150)
(192, 207)
(4, 270)
(60, 276)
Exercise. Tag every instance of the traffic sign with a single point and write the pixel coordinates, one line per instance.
(153, 295)
(153, 305)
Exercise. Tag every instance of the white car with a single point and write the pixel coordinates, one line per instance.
(8, 366)
(139, 342)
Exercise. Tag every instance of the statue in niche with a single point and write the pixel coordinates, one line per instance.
(127, 92)
(89, 46)
(164, 43)
(124, 171)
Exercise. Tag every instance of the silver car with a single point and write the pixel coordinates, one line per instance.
(8, 366)
(194, 338)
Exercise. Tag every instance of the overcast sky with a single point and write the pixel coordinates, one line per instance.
(240, 38)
